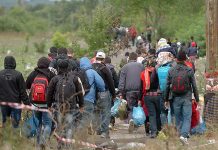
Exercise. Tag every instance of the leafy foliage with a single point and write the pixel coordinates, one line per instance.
(59, 40)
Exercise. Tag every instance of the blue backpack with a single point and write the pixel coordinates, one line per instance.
(162, 72)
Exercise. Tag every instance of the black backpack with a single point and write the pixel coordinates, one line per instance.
(81, 73)
(98, 68)
(65, 88)
(180, 80)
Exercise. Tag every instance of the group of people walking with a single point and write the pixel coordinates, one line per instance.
(81, 92)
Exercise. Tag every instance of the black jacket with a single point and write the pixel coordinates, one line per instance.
(106, 75)
(52, 90)
(12, 84)
(114, 74)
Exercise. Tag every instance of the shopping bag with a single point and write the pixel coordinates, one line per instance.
(30, 126)
(115, 108)
(138, 116)
(122, 111)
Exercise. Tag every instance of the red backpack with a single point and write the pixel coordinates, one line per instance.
(39, 89)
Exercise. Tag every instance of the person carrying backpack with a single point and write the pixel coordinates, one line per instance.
(96, 85)
(65, 96)
(12, 89)
(152, 96)
(103, 104)
(62, 53)
(37, 82)
(181, 82)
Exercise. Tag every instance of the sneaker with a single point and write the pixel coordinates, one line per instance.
(154, 135)
(105, 135)
(131, 126)
(183, 140)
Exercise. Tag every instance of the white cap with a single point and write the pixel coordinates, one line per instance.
(100, 55)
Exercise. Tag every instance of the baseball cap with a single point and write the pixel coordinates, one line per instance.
(100, 55)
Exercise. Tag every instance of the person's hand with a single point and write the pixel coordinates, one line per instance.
(121, 97)
(81, 109)
(167, 105)
(139, 103)
(50, 109)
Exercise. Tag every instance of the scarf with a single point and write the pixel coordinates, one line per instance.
(147, 77)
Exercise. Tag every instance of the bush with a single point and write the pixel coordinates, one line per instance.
(40, 47)
(59, 40)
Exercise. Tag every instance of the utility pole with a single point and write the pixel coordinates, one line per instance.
(212, 35)
(211, 96)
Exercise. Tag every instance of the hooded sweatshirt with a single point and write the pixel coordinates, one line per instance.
(12, 84)
(95, 80)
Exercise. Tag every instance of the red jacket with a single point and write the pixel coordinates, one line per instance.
(142, 76)
(132, 31)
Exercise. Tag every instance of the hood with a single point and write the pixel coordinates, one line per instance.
(110, 66)
(85, 63)
(10, 62)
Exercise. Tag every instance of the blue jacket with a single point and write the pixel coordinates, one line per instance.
(95, 80)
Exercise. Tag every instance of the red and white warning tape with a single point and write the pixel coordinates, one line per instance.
(33, 108)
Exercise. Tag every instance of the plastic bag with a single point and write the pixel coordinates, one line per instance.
(30, 126)
(138, 116)
(115, 108)
(122, 111)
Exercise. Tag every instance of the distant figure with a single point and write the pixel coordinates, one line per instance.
(192, 52)
(191, 41)
(149, 33)
(124, 60)
(133, 34)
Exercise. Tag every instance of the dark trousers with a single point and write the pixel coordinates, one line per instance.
(14, 113)
(153, 105)
(132, 101)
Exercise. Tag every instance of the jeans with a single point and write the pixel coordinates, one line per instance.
(44, 128)
(153, 105)
(14, 113)
(87, 116)
(183, 112)
(132, 101)
(103, 111)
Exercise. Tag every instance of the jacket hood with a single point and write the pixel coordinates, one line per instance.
(10, 62)
(110, 66)
(85, 63)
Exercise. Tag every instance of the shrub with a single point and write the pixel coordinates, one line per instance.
(59, 40)
(40, 47)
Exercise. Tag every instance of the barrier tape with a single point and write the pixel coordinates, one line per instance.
(33, 108)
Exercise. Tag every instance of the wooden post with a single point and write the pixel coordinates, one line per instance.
(212, 35)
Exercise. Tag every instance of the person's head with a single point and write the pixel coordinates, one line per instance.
(107, 60)
(10, 62)
(133, 56)
(192, 38)
(43, 62)
(151, 52)
(181, 56)
(100, 56)
(127, 54)
(162, 42)
(53, 50)
(62, 50)
(193, 44)
(62, 65)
